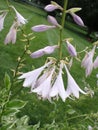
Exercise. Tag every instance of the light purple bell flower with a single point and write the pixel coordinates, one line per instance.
(19, 17)
(87, 61)
(96, 63)
(2, 17)
(58, 87)
(42, 28)
(72, 86)
(41, 52)
(11, 36)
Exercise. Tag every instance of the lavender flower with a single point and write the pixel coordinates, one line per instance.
(87, 61)
(77, 19)
(11, 36)
(72, 87)
(41, 52)
(96, 63)
(71, 49)
(2, 17)
(42, 27)
(19, 17)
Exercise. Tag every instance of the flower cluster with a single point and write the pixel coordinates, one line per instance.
(88, 63)
(47, 81)
(19, 20)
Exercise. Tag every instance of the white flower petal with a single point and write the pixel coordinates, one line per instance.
(72, 87)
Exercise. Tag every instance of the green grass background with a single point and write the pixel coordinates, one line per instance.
(43, 111)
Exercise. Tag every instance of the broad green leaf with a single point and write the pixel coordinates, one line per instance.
(16, 104)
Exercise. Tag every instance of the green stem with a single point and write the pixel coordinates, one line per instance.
(61, 30)
(84, 115)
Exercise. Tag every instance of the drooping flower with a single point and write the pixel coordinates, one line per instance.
(2, 17)
(72, 86)
(71, 49)
(11, 36)
(58, 87)
(87, 61)
(41, 52)
(96, 63)
(53, 21)
(32, 76)
(44, 88)
(77, 19)
(42, 27)
(19, 17)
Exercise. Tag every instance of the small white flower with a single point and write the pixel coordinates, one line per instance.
(19, 17)
(32, 76)
(11, 36)
(72, 86)
(87, 61)
(58, 87)
(2, 17)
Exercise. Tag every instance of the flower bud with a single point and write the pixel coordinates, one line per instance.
(71, 49)
(42, 27)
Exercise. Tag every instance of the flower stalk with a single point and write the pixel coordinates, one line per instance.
(61, 29)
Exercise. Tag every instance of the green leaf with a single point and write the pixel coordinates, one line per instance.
(7, 81)
(16, 104)
(71, 111)
(35, 127)
(10, 112)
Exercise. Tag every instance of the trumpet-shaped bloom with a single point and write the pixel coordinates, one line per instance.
(46, 50)
(71, 49)
(44, 89)
(19, 17)
(51, 7)
(87, 61)
(42, 27)
(77, 19)
(96, 63)
(32, 76)
(53, 21)
(11, 36)
(72, 86)
(58, 87)
(2, 17)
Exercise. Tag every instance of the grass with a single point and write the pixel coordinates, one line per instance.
(35, 108)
